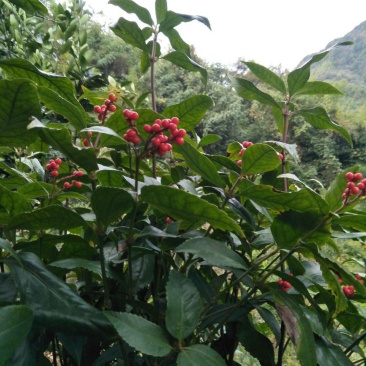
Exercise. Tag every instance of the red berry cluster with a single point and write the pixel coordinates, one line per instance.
(359, 279)
(74, 183)
(245, 145)
(349, 291)
(108, 106)
(284, 285)
(356, 185)
(53, 166)
(158, 142)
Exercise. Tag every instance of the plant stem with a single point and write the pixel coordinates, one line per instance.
(152, 71)
(281, 345)
(107, 300)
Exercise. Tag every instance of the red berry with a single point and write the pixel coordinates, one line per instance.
(134, 115)
(355, 190)
(100, 117)
(147, 128)
(49, 166)
(247, 144)
(77, 184)
(155, 127)
(156, 141)
(135, 140)
(173, 127)
(58, 161)
(181, 133)
(280, 156)
(358, 176)
(361, 186)
(175, 120)
(350, 184)
(90, 134)
(349, 291)
(159, 122)
(166, 123)
(112, 108)
(239, 162)
(168, 220)
(107, 102)
(112, 97)
(179, 140)
(131, 132)
(78, 173)
(163, 147)
(86, 143)
(349, 176)
(97, 109)
(67, 185)
(126, 113)
(54, 173)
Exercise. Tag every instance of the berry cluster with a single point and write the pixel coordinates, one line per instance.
(356, 185)
(74, 183)
(245, 145)
(157, 142)
(284, 285)
(108, 106)
(349, 291)
(53, 166)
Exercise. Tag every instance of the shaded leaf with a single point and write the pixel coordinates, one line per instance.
(318, 88)
(184, 306)
(329, 354)
(140, 333)
(199, 354)
(13, 202)
(31, 6)
(130, 33)
(208, 139)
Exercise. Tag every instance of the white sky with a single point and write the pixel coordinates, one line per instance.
(269, 32)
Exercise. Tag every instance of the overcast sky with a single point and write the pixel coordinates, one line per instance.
(269, 32)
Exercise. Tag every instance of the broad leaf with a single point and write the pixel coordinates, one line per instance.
(106, 131)
(16, 322)
(199, 354)
(20, 68)
(160, 10)
(266, 75)
(259, 158)
(184, 306)
(60, 139)
(7, 247)
(181, 205)
(130, 33)
(180, 59)
(177, 42)
(13, 202)
(49, 217)
(291, 149)
(31, 6)
(247, 90)
(200, 164)
(140, 333)
(75, 115)
(173, 19)
(109, 204)
(130, 6)
(298, 78)
(319, 118)
(329, 354)
(19, 103)
(55, 305)
(318, 88)
(212, 251)
(190, 111)
(208, 139)
(354, 221)
(334, 193)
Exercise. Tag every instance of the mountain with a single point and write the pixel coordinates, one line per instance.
(345, 68)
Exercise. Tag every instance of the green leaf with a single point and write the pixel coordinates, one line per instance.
(177, 42)
(49, 217)
(110, 177)
(55, 305)
(291, 149)
(16, 322)
(13, 202)
(160, 9)
(181, 205)
(266, 75)
(75, 115)
(141, 334)
(208, 139)
(7, 247)
(109, 204)
(106, 131)
(329, 354)
(184, 306)
(19, 103)
(259, 158)
(319, 118)
(173, 19)
(298, 78)
(318, 88)
(214, 252)
(305, 348)
(130, 33)
(199, 354)
(190, 111)
(20, 68)
(200, 164)
(34, 7)
(180, 59)
(130, 6)
(247, 90)
(354, 221)
(61, 140)
(333, 196)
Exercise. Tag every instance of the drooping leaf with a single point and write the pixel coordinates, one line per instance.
(110, 203)
(173, 19)
(200, 164)
(291, 149)
(20, 68)
(247, 90)
(55, 305)
(329, 354)
(214, 252)
(16, 322)
(130, 33)
(259, 158)
(181, 205)
(74, 345)
(49, 217)
(242, 212)
(19, 103)
(34, 7)
(184, 306)
(130, 6)
(319, 118)
(208, 139)
(140, 333)
(266, 75)
(177, 42)
(180, 59)
(190, 111)
(52, 100)
(298, 78)
(161, 8)
(106, 131)
(356, 221)
(333, 196)
(199, 354)
(61, 140)
(318, 88)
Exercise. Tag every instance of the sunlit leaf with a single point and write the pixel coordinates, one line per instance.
(131, 7)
